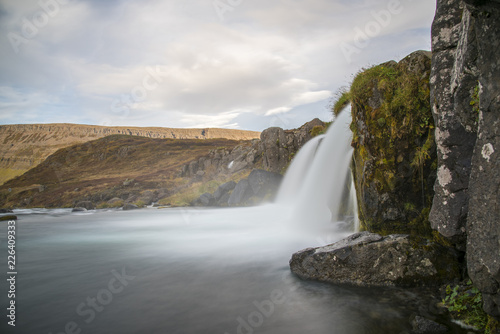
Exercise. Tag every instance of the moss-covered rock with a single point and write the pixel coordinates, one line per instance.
(395, 152)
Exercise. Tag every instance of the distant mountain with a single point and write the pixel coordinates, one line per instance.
(24, 146)
(121, 167)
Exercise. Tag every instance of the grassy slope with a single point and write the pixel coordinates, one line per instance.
(97, 169)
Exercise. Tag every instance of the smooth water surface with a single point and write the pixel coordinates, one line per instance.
(180, 271)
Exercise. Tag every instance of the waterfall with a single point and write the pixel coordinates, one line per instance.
(315, 181)
(296, 172)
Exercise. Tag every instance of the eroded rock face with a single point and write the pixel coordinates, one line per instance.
(273, 152)
(278, 146)
(465, 92)
(394, 149)
(368, 259)
(453, 79)
(483, 221)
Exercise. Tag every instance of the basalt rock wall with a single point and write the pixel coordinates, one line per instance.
(465, 98)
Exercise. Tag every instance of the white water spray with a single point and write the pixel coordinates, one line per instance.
(313, 186)
(294, 178)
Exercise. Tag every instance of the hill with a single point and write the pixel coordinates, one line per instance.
(117, 166)
(24, 146)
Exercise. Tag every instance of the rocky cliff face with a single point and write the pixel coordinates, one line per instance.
(395, 154)
(24, 146)
(465, 85)
(273, 153)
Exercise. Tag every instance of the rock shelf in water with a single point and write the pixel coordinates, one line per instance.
(369, 259)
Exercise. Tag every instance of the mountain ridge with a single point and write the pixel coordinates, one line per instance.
(24, 146)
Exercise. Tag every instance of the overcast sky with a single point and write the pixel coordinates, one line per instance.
(244, 64)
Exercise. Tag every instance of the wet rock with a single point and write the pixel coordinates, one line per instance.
(264, 183)
(8, 217)
(368, 259)
(130, 206)
(6, 211)
(78, 209)
(85, 204)
(223, 189)
(423, 325)
(241, 193)
(147, 197)
(205, 199)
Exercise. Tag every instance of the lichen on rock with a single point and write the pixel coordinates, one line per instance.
(369, 259)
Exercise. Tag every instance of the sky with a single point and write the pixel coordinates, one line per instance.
(241, 64)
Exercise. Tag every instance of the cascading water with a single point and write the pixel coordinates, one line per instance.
(294, 177)
(314, 184)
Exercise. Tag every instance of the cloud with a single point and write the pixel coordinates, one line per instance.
(263, 60)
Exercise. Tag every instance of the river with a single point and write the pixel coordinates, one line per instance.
(181, 271)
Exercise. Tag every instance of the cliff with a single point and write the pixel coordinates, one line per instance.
(24, 146)
(394, 161)
(465, 97)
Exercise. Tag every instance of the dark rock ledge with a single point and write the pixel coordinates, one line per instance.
(369, 259)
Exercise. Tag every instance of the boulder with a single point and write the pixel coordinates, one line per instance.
(85, 204)
(205, 199)
(368, 259)
(128, 182)
(8, 217)
(147, 197)
(224, 200)
(114, 200)
(264, 183)
(241, 193)
(6, 211)
(130, 206)
(223, 189)
(78, 209)
(423, 325)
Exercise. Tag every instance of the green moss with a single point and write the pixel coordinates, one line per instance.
(474, 102)
(394, 147)
(8, 217)
(465, 303)
(317, 130)
(493, 326)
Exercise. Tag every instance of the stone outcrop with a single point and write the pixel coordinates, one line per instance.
(453, 79)
(273, 152)
(88, 205)
(277, 146)
(369, 259)
(465, 84)
(25, 146)
(221, 162)
(260, 186)
(394, 150)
